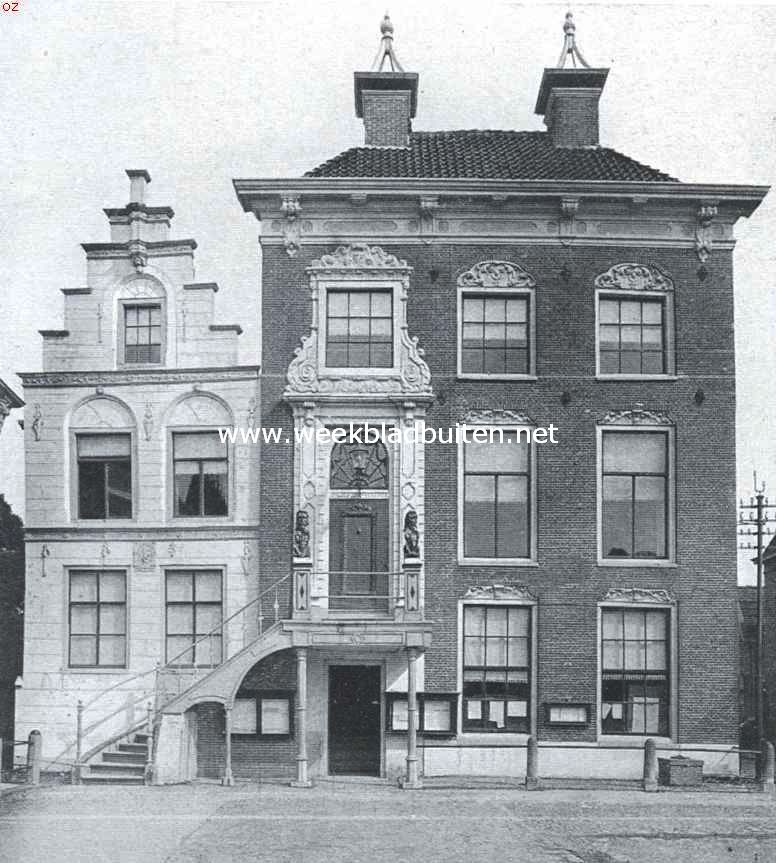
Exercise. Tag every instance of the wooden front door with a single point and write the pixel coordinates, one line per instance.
(354, 720)
(358, 555)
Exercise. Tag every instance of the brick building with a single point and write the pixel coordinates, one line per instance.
(405, 608)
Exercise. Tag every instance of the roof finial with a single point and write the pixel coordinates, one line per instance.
(570, 48)
(386, 48)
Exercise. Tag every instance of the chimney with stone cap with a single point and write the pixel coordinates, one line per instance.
(568, 98)
(386, 100)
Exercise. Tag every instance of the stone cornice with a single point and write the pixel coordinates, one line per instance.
(124, 377)
(255, 194)
(168, 533)
(152, 249)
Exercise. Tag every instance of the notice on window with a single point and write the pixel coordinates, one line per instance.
(497, 713)
(474, 710)
(617, 711)
(244, 716)
(517, 709)
(274, 716)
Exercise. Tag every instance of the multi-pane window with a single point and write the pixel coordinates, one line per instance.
(193, 612)
(143, 333)
(496, 668)
(200, 465)
(98, 618)
(635, 662)
(495, 333)
(104, 475)
(496, 497)
(359, 329)
(635, 494)
(631, 336)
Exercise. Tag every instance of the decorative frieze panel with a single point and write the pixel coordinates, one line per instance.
(639, 595)
(634, 277)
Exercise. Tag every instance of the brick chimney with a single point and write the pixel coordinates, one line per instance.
(568, 98)
(386, 100)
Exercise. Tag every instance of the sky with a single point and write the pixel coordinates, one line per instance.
(200, 93)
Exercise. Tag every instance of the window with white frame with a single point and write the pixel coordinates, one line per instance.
(193, 612)
(97, 614)
(635, 494)
(634, 314)
(104, 466)
(201, 475)
(496, 495)
(632, 335)
(496, 668)
(142, 333)
(359, 328)
(635, 648)
(495, 334)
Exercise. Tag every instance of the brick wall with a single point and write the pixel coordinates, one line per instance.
(567, 580)
(252, 757)
(572, 117)
(386, 118)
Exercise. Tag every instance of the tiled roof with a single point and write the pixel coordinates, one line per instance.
(489, 155)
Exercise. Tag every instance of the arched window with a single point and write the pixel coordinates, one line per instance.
(141, 323)
(200, 458)
(102, 431)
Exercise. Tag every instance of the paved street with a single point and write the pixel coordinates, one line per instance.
(376, 824)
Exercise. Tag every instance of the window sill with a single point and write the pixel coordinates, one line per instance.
(636, 562)
(497, 561)
(491, 738)
(200, 519)
(495, 378)
(140, 366)
(664, 377)
(360, 371)
(623, 741)
(102, 522)
(100, 669)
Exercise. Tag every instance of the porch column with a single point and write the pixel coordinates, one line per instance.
(301, 719)
(412, 780)
(227, 778)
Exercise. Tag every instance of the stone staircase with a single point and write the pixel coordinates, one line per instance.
(123, 763)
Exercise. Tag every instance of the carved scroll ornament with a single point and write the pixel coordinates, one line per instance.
(634, 277)
(496, 274)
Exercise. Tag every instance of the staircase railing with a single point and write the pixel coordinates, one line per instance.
(281, 607)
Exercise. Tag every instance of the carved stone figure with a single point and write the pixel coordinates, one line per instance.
(411, 534)
(302, 534)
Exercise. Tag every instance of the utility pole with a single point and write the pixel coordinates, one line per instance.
(755, 524)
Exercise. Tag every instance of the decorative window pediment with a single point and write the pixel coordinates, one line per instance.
(496, 274)
(634, 277)
(638, 595)
(505, 592)
(638, 417)
(360, 256)
(491, 417)
(390, 371)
